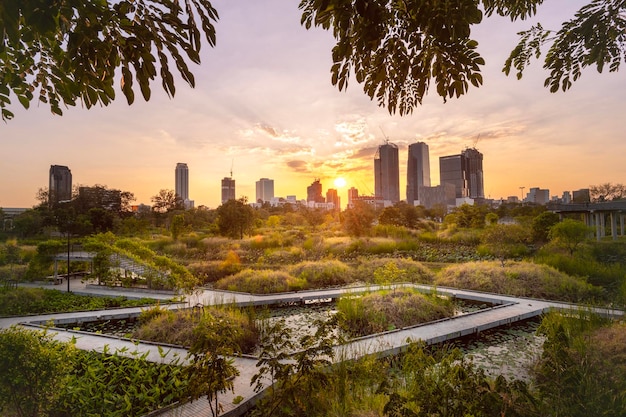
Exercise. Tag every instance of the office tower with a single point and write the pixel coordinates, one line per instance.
(333, 197)
(417, 171)
(452, 170)
(228, 189)
(353, 195)
(314, 192)
(182, 181)
(264, 190)
(474, 175)
(387, 173)
(60, 184)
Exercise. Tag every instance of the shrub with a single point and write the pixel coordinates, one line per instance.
(518, 279)
(180, 327)
(409, 270)
(321, 274)
(261, 282)
(388, 310)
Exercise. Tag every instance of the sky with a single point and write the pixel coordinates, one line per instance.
(264, 106)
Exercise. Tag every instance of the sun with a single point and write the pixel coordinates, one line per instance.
(340, 182)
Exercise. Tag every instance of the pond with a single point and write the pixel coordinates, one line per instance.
(506, 350)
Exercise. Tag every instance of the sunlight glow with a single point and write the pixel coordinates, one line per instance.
(340, 182)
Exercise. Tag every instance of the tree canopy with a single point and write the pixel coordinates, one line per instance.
(64, 51)
(61, 52)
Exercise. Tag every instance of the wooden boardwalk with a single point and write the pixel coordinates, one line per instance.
(507, 310)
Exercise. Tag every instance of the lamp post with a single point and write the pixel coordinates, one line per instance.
(69, 222)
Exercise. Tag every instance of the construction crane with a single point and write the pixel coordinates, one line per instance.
(385, 136)
(522, 188)
(476, 141)
(232, 162)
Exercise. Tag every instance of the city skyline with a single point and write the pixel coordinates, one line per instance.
(275, 114)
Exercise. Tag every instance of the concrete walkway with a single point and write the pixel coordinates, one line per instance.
(506, 311)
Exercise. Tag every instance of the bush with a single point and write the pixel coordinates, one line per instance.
(409, 270)
(389, 310)
(518, 279)
(261, 282)
(322, 274)
(180, 327)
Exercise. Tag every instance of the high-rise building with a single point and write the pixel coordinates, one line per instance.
(60, 184)
(387, 173)
(465, 171)
(181, 175)
(474, 167)
(228, 189)
(264, 190)
(353, 195)
(333, 197)
(417, 171)
(314, 192)
(452, 170)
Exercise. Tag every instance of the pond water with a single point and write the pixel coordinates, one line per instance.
(506, 350)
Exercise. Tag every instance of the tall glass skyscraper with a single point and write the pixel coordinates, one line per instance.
(59, 184)
(264, 190)
(182, 181)
(387, 173)
(417, 171)
(465, 171)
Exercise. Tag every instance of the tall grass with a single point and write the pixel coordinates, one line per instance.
(409, 270)
(519, 279)
(323, 274)
(261, 282)
(387, 310)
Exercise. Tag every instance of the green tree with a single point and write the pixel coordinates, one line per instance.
(61, 52)
(211, 370)
(541, 225)
(607, 192)
(357, 221)
(235, 218)
(66, 51)
(178, 226)
(505, 241)
(33, 371)
(569, 234)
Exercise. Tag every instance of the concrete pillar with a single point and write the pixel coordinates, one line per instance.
(598, 227)
(621, 222)
(613, 225)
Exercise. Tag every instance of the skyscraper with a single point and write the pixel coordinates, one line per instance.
(417, 171)
(333, 197)
(181, 175)
(228, 189)
(474, 166)
(314, 192)
(60, 184)
(264, 190)
(452, 170)
(465, 171)
(387, 173)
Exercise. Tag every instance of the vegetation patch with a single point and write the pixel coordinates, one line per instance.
(389, 310)
(185, 327)
(323, 274)
(387, 270)
(23, 301)
(522, 279)
(261, 282)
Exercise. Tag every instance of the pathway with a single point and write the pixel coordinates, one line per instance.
(507, 310)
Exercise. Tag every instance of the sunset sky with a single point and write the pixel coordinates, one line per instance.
(264, 106)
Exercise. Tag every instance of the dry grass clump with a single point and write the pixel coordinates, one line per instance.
(182, 327)
(323, 274)
(519, 279)
(609, 354)
(261, 282)
(404, 270)
(388, 310)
